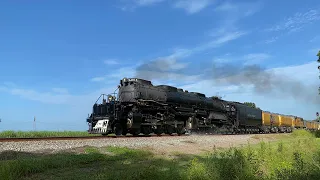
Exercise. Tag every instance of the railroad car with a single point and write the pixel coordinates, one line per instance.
(266, 121)
(270, 122)
(312, 125)
(309, 125)
(275, 119)
(141, 107)
(285, 123)
(316, 125)
(248, 119)
(299, 123)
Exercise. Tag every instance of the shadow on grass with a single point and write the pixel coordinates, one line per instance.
(299, 159)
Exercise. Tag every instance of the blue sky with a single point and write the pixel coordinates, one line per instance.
(57, 57)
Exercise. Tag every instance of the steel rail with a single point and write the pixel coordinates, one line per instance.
(77, 138)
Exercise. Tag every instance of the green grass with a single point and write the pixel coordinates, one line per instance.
(296, 157)
(36, 134)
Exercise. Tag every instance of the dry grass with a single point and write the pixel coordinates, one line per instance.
(37, 134)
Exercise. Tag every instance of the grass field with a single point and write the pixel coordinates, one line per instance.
(296, 157)
(36, 134)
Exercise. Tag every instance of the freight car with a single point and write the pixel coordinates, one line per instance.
(274, 122)
(144, 108)
(312, 125)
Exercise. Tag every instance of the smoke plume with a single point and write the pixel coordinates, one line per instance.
(264, 82)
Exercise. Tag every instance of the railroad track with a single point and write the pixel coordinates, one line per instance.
(103, 137)
(79, 138)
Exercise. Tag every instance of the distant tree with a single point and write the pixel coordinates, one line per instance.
(216, 97)
(318, 56)
(251, 104)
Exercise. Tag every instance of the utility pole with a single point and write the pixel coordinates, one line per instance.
(318, 118)
(34, 123)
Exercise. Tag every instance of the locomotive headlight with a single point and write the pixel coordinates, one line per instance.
(125, 79)
(110, 98)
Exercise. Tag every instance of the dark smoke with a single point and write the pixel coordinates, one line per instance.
(264, 82)
(151, 70)
(162, 69)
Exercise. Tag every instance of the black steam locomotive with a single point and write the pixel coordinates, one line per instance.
(144, 108)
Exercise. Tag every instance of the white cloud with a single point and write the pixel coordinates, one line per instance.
(122, 72)
(239, 8)
(44, 97)
(59, 96)
(60, 90)
(229, 36)
(314, 51)
(98, 79)
(111, 61)
(310, 72)
(255, 58)
(231, 12)
(131, 5)
(192, 6)
(271, 40)
(315, 39)
(221, 39)
(297, 22)
(252, 58)
(147, 2)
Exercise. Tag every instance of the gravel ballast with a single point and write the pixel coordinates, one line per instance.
(192, 144)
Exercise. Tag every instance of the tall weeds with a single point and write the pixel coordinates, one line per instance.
(289, 159)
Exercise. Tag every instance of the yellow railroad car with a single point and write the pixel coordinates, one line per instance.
(293, 121)
(266, 118)
(285, 121)
(270, 121)
(298, 122)
(314, 125)
(309, 124)
(275, 120)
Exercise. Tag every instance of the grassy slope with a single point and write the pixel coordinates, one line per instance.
(34, 134)
(294, 158)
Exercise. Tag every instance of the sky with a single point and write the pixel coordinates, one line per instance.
(57, 57)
